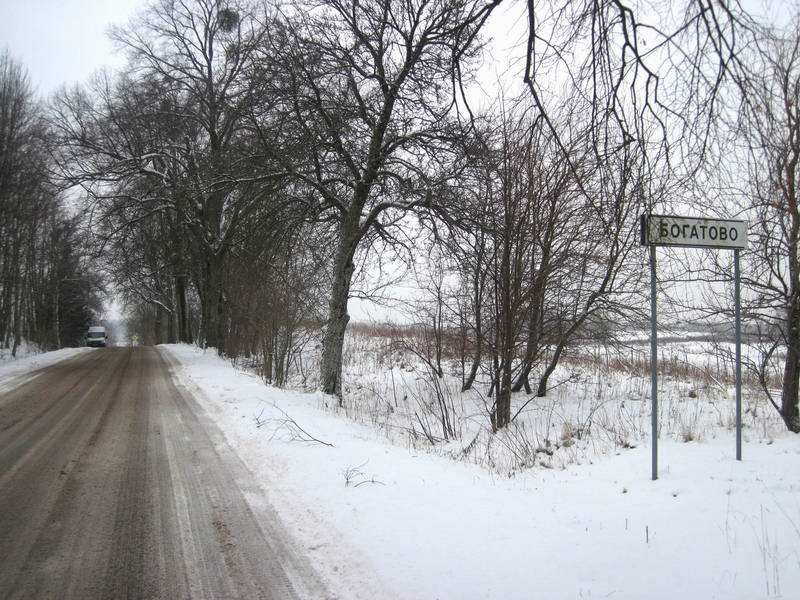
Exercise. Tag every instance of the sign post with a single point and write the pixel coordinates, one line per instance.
(653, 364)
(738, 325)
(691, 232)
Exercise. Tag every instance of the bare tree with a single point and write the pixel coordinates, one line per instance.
(769, 136)
(556, 247)
(366, 103)
(48, 291)
(167, 137)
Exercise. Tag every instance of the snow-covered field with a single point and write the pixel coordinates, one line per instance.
(17, 370)
(384, 514)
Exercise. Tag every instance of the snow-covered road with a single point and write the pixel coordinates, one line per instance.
(114, 484)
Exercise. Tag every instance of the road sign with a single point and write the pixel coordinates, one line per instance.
(723, 234)
(669, 230)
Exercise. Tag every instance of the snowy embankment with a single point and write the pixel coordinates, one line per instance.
(17, 370)
(385, 521)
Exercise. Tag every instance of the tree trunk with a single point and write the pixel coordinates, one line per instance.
(437, 340)
(213, 303)
(158, 326)
(183, 318)
(541, 390)
(535, 324)
(333, 341)
(505, 327)
(503, 405)
(17, 320)
(476, 360)
(524, 378)
(269, 354)
(531, 350)
(5, 274)
(791, 374)
(171, 327)
(282, 362)
(503, 408)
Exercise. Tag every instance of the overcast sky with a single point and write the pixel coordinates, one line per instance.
(65, 41)
(62, 41)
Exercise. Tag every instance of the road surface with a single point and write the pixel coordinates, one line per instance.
(115, 484)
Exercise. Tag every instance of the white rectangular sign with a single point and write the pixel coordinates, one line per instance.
(668, 230)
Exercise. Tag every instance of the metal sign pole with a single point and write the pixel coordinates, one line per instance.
(738, 320)
(653, 364)
(692, 232)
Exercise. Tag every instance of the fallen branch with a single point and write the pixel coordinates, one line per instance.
(288, 427)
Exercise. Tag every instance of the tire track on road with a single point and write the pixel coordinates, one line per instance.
(115, 484)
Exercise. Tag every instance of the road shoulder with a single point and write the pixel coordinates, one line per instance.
(293, 561)
(17, 371)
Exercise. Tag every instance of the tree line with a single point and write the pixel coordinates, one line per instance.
(49, 294)
(252, 161)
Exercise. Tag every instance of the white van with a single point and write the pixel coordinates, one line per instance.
(96, 336)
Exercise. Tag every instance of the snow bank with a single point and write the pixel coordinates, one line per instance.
(16, 371)
(383, 521)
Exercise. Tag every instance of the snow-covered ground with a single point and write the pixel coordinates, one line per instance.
(17, 370)
(386, 519)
